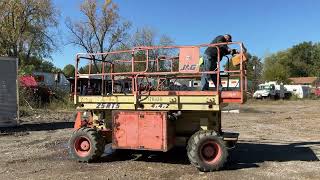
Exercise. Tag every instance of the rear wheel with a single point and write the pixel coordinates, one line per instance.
(207, 151)
(86, 145)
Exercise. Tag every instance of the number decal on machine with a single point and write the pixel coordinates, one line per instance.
(160, 106)
(108, 106)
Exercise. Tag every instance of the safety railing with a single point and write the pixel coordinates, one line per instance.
(153, 70)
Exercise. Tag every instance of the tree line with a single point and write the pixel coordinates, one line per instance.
(301, 60)
(28, 30)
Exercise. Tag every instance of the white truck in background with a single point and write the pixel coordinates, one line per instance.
(271, 90)
(275, 91)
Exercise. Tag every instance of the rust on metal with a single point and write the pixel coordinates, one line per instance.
(142, 130)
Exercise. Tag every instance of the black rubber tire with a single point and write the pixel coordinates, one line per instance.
(197, 141)
(97, 144)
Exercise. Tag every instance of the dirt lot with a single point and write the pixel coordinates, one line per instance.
(278, 140)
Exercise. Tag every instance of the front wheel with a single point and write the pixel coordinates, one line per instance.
(207, 151)
(86, 145)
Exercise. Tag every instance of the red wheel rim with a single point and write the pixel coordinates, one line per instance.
(82, 146)
(210, 152)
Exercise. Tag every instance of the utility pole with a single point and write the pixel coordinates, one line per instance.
(254, 77)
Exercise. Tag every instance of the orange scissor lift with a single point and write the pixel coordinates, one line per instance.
(146, 98)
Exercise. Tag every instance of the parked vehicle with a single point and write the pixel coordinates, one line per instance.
(275, 91)
(271, 90)
(317, 92)
(52, 80)
(301, 91)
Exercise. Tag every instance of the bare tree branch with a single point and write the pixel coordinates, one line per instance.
(101, 28)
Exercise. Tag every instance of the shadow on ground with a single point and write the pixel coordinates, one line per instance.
(246, 155)
(36, 127)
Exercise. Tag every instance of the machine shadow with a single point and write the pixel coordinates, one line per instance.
(245, 155)
(248, 155)
(177, 155)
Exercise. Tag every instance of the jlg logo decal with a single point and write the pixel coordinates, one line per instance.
(189, 67)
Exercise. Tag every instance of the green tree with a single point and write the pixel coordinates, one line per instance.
(69, 70)
(27, 29)
(315, 69)
(301, 60)
(254, 71)
(37, 64)
(276, 68)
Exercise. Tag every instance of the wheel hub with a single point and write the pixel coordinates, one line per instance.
(85, 145)
(82, 146)
(210, 152)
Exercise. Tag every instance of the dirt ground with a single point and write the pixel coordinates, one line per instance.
(278, 140)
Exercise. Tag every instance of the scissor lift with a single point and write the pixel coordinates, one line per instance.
(153, 110)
